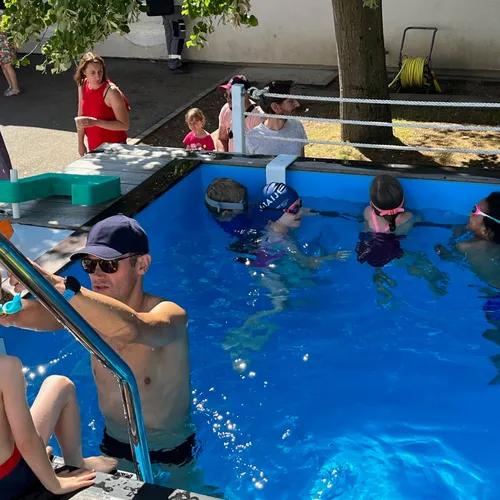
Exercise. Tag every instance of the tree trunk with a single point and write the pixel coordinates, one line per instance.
(359, 33)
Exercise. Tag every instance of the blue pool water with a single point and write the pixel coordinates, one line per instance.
(345, 393)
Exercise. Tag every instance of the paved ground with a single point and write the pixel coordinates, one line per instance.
(38, 125)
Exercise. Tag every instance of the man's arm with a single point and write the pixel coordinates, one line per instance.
(33, 316)
(223, 139)
(164, 324)
(222, 136)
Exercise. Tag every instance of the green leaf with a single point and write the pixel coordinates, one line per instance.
(253, 21)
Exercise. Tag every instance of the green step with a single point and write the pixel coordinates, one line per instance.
(83, 189)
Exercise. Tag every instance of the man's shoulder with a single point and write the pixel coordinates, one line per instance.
(258, 130)
(295, 128)
(153, 301)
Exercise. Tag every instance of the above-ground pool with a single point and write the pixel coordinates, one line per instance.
(359, 385)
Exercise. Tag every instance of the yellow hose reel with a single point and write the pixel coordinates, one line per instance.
(416, 73)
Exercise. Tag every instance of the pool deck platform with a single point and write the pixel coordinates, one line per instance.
(119, 486)
(134, 165)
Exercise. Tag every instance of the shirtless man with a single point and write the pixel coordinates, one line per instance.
(148, 332)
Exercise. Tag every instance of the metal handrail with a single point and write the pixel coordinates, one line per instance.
(15, 262)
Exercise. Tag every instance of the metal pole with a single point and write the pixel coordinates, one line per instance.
(238, 108)
(16, 207)
(15, 262)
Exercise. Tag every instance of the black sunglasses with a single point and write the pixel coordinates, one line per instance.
(107, 266)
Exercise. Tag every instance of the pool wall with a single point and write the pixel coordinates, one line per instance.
(421, 194)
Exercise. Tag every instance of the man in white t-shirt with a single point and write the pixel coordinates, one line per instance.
(265, 139)
(225, 132)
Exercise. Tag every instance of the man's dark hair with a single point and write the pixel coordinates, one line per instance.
(274, 87)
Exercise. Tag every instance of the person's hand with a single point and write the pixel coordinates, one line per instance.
(72, 481)
(54, 280)
(82, 149)
(87, 121)
(459, 230)
(343, 254)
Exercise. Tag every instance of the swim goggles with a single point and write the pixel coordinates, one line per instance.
(394, 211)
(11, 307)
(294, 209)
(477, 211)
(223, 205)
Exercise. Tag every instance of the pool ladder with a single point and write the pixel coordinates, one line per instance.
(15, 262)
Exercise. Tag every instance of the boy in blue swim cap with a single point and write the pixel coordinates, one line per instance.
(281, 208)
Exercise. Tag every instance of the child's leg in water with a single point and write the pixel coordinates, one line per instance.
(257, 329)
(380, 279)
(420, 266)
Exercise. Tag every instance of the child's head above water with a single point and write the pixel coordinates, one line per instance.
(225, 198)
(281, 205)
(387, 198)
(484, 219)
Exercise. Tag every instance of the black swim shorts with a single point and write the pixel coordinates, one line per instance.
(181, 455)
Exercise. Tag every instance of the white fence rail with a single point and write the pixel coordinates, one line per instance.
(239, 115)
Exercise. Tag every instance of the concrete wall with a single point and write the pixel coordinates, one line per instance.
(300, 32)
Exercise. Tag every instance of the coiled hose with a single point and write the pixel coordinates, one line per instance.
(416, 73)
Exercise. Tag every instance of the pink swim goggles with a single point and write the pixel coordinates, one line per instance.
(477, 211)
(393, 211)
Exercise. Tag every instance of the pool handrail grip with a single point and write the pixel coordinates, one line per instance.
(15, 262)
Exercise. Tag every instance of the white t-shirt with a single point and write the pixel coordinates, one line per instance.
(261, 140)
(226, 121)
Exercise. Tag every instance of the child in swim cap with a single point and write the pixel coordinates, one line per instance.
(281, 207)
(386, 212)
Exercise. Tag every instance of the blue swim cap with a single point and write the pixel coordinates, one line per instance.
(277, 196)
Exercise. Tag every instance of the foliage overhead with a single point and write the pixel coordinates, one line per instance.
(66, 29)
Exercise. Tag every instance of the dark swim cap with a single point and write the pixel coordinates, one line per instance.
(277, 196)
(378, 249)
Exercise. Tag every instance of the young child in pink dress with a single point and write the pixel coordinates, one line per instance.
(198, 138)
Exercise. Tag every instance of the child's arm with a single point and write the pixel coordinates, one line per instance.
(27, 439)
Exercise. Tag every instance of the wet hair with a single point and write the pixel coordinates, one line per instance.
(225, 190)
(274, 87)
(88, 58)
(493, 209)
(194, 114)
(386, 193)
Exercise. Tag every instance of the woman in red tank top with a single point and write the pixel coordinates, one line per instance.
(103, 111)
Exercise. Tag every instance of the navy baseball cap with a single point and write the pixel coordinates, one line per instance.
(114, 237)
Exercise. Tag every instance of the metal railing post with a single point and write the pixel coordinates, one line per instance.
(15, 262)
(238, 105)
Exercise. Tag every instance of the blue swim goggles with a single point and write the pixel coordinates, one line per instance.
(12, 307)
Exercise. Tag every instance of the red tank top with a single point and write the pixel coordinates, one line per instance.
(93, 105)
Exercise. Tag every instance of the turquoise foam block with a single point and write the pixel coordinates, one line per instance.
(83, 189)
